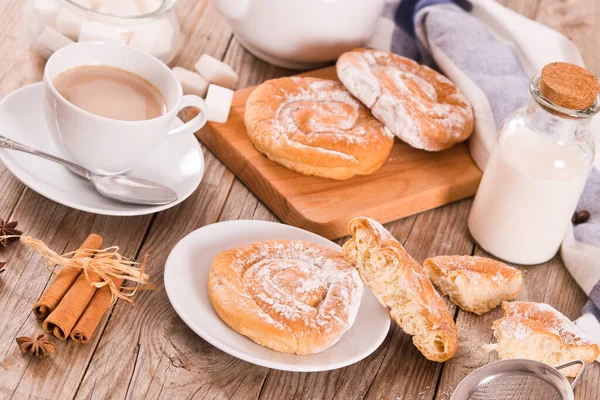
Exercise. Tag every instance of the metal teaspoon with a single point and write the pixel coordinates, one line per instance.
(126, 189)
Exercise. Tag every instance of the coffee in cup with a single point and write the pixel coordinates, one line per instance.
(111, 93)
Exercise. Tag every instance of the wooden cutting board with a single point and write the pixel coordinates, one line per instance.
(411, 181)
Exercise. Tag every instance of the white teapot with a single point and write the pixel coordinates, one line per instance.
(300, 34)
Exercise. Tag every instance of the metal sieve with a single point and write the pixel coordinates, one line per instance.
(518, 379)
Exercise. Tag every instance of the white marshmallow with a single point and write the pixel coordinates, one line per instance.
(121, 8)
(216, 72)
(97, 31)
(218, 101)
(191, 82)
(69, 23)
(155, 37)
(52, 39)
(149, 6)
(45, 11)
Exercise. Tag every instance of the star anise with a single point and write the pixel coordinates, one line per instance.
(2, 264)
(39, 347)
(8, 229)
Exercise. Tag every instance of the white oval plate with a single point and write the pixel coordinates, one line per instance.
(186, 282)
(178, 162)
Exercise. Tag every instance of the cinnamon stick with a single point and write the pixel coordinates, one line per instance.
(89, 320)
(62, 320)
(64, 280)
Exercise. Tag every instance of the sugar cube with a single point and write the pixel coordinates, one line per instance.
(191, 82)
(216, 71)
(52, 39)
(98, 31)
(45, 11)
(218, 103)
(155, 37)
(69, 23)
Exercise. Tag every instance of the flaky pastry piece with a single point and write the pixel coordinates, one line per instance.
(400, 283)
(475, 284)
(539, 332)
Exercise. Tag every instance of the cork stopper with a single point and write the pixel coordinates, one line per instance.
(569, 86)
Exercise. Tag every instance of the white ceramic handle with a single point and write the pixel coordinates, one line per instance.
(195, 123)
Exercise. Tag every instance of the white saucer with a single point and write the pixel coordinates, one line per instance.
(177, 163)
(186, 283)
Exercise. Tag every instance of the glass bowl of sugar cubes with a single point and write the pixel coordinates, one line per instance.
(149, 25)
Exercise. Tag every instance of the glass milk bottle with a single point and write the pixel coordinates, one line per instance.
(538, 169)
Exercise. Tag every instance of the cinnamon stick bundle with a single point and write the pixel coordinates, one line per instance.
(89, 320)
(62, 320)
(89, 282)
(64, 280)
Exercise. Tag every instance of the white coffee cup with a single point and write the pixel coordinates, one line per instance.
(108, 146)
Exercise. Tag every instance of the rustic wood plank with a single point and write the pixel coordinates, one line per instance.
(20, 66)
(203, 30)
(579, 20)
(551, 282)
(11, 190)
(242, 204)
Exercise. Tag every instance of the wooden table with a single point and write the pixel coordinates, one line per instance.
(147, 351)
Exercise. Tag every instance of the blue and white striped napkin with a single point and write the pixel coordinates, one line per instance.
(491, 53)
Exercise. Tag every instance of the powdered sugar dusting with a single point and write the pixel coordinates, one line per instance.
(388, 105)
(325, 108)
(309, 288)
(406, 98)
(518, 314)
(497, 278)
(557, 323)
(475, 268)
(309, 285)
(316, 122)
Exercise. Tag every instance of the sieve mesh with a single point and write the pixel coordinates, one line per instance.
(515, 387)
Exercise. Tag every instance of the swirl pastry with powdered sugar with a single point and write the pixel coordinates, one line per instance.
(420, 106)
(289, 295)
(316, 127)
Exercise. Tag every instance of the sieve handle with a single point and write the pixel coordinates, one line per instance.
(568, 364)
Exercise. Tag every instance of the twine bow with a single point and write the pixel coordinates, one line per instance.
(105, 263)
